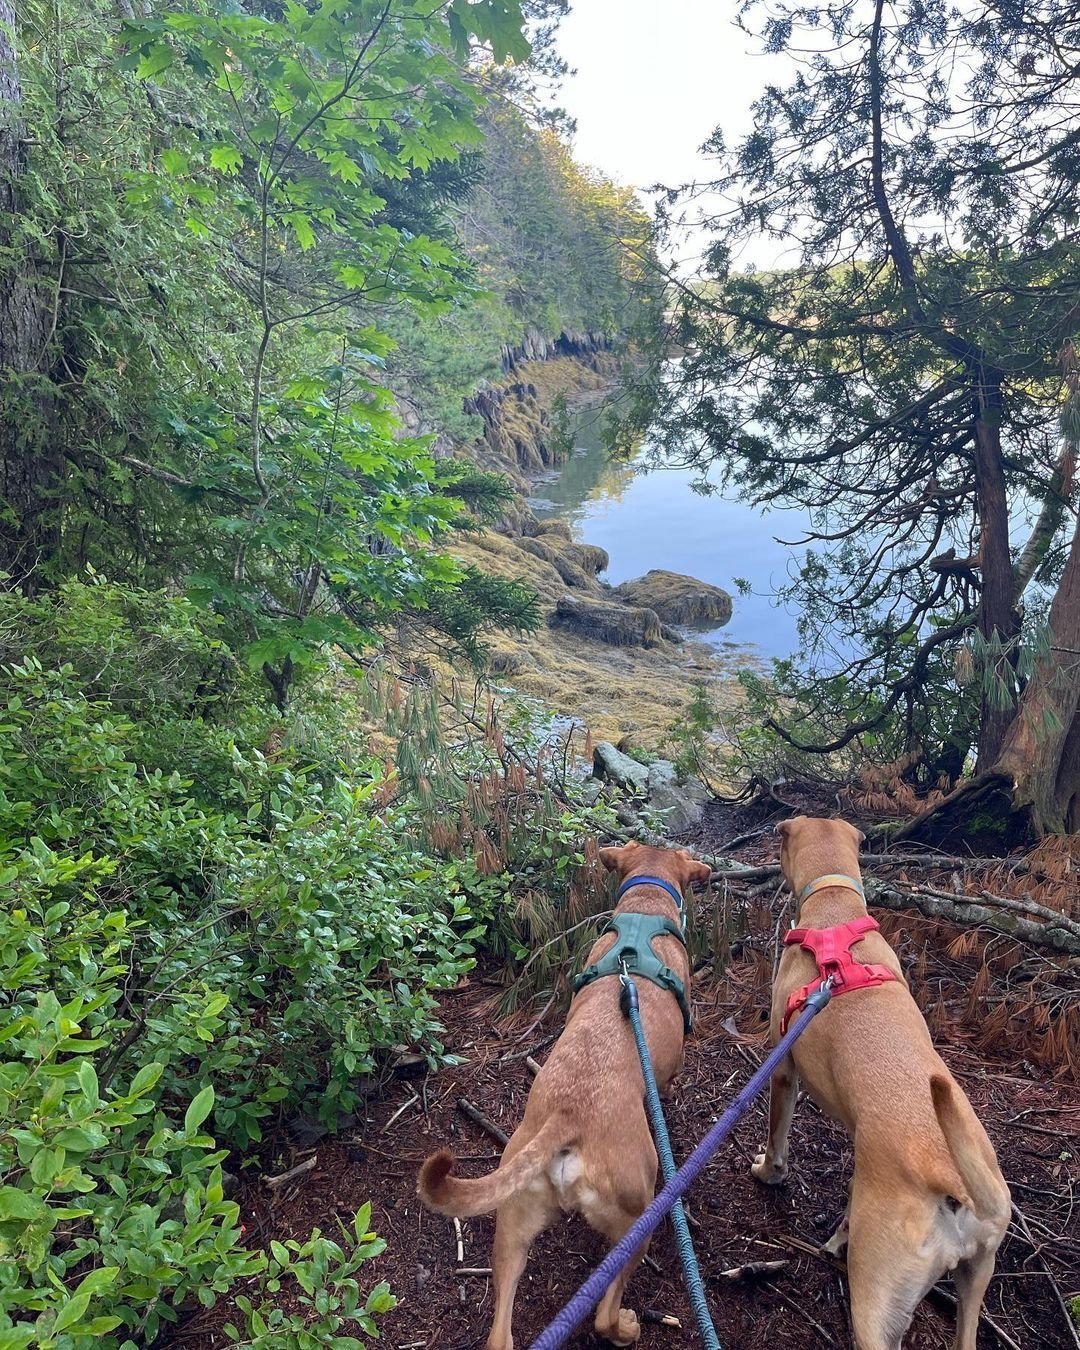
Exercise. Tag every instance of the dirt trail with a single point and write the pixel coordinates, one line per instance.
(1032, 1117)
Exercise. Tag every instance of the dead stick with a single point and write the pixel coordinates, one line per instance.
(460, 1241)
(654, 1317)
(411, 1102)
(473, 1270)
(801, 1311)
(1021, 1219)
(532, 1066)
(487, 1125)
(296, 1171)
(753, 1270)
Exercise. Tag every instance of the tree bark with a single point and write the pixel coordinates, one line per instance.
(999, 622)
(30, 459)
(1032, 787)
(1041, 753)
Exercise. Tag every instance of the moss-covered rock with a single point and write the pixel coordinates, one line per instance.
(556, 528)
(590, 558)
(619, 625)
(677, 598)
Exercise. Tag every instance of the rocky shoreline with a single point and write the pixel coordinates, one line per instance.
(610, 657)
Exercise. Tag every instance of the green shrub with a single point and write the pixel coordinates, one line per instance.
(197, 946)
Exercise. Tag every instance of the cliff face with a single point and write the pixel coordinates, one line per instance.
(615, 666)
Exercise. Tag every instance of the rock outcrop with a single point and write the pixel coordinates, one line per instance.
(677, 598)
(620, 625)
(679, 802)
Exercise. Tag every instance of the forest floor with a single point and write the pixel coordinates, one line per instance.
(985, 999)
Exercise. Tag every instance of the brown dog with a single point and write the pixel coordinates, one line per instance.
(584, 1144)
(927, 1195)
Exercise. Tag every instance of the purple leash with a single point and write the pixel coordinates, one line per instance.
(592, 1291)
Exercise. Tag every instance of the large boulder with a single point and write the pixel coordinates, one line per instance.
(563, 563)
(558, 528)
(590, 558)
(618, 768)
(677, 598)
(680, 803)
(619, 625)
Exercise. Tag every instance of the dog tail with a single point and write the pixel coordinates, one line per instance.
(442, 1190)
(987, 1194)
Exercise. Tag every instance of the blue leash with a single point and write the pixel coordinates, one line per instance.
(628, 1001)
(589, 1295)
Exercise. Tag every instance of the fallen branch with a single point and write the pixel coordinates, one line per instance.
(296, 1171)
(486, 1124)
(459, 1238)
(473, 1270)
(752, 1270)
(967, 912)
(655, 1318)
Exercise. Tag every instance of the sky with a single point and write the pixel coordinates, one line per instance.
(654, 79)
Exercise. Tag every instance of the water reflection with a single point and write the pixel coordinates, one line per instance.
(654, 519)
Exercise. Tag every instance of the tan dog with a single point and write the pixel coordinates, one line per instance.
(584, 1144)
(927, 1195)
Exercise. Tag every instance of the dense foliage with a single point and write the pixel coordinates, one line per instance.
(240, 292)
(215, 920)
(903, 380)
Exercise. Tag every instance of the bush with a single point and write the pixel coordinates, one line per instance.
(187, 949)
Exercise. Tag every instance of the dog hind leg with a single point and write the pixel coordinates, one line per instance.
(517, 1224)
(888, 1276)
(614, 1322)
(971, 1278)
(771, 1166)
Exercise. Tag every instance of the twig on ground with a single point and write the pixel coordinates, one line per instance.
(296, 1171)
(460, 1240)
(401, 1111)
(752, 1270)
(532, 1065)
(655, 1318)
(795, 1307)
(485, 1123)
(473, 1270)
(1022, 1221)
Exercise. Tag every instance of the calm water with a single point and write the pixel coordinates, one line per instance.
(654, 519)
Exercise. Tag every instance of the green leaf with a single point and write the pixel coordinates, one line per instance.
(155, 59)
(16, 1204)
(97, 1280)
(145, 1079)
(226, 159)
(174, 161)
(200, 1108)
(71, 1312)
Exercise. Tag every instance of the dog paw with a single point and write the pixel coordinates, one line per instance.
(767, 1172)
(629, 1328)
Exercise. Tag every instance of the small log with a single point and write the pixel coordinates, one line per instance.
(486, 1124)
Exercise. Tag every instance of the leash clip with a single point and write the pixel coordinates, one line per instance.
(821, 995)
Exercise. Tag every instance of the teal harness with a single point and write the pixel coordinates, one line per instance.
(632, 952)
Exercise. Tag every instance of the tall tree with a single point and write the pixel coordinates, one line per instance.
(902, 377)
(29, 462)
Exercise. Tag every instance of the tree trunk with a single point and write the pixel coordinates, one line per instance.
(30, 462)
(999, 622)
(1032, 787)
(1040, 754)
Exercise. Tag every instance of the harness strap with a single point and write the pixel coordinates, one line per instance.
(633, 952)
(831, 949)
(651, 881)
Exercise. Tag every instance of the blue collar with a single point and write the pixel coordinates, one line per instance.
(651, 881)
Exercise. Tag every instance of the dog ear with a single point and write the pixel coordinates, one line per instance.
(612, 858)
(860, 838)
(783, 827)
